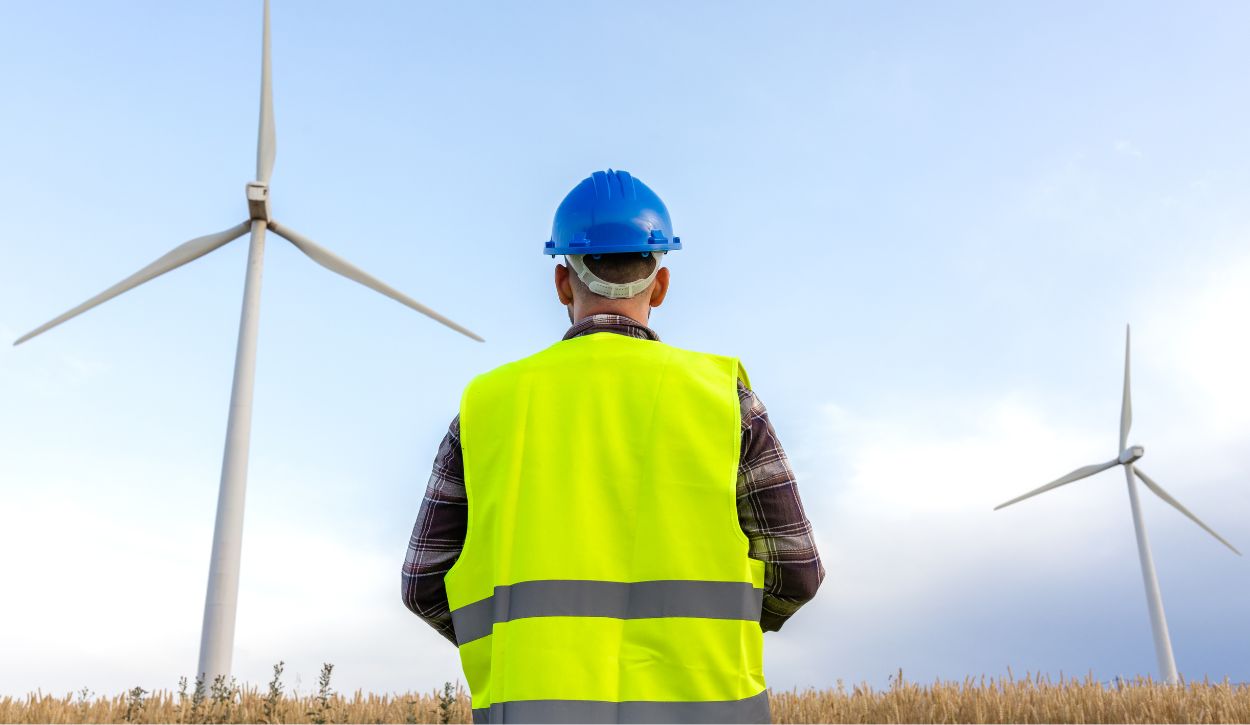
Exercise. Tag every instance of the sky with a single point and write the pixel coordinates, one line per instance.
(922, 227)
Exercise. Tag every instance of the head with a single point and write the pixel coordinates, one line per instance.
(615, 269)
(612, 231)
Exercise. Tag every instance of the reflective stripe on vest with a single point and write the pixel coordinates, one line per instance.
(753, 709)
(604, 575)
(638, 600)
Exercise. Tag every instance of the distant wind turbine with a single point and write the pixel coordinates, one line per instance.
(217, 638)
(1128, 456)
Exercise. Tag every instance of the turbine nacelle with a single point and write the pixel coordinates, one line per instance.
(1130, 454)
(258, 200)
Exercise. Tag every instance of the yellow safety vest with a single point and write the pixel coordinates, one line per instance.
(605, 576)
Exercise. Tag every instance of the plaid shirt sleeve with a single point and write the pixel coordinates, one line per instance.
(437, 537)
(771, 515)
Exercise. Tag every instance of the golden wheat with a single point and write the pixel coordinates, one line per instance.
(248, 705)
(1026, 700)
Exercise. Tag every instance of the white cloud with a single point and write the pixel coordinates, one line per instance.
(112, 598)
(922, 573)
(1126, 148)
(901, 470)
(919, 563)
(1203, 344)
(1065, 189)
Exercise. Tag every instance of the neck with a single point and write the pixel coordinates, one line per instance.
(640, 313)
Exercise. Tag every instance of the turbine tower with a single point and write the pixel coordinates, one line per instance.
(1128, 457)
(221, 600)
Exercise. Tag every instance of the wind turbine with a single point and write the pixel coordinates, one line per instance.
(1129, 455)
(221, 600)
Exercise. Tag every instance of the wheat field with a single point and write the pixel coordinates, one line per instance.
(1007, 700)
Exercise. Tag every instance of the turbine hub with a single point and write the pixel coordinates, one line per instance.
(258, 200)
(1132, 453)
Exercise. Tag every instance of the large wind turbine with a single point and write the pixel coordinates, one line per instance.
(1127, 458)
(217, 639)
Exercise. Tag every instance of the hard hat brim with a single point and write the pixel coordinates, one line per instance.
(588, 247)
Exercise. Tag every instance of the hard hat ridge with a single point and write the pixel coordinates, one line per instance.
(619, 182)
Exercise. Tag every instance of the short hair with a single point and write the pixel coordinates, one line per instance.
(621, 268)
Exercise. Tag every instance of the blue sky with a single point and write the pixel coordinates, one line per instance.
(921, 227)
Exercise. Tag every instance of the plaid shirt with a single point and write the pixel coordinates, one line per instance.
(769, 511)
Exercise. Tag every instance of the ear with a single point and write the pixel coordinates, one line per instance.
(564, 287)
(660, 288)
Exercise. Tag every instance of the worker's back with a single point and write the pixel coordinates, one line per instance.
(611, 524)
(605, 575)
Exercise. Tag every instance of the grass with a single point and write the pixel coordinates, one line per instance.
(1010, 700)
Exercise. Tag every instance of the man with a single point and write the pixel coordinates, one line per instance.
(611, 523)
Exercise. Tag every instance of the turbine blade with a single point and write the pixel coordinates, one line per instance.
(266, 139)
(174, 258)
(1126, 407)
(1076, 475)
(1158, 490)
(338, 265)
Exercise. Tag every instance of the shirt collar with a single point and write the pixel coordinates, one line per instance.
(618, 324)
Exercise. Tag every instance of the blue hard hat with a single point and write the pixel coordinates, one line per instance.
(608, 213)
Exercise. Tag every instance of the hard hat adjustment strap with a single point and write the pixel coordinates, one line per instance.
(612, 290)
